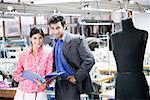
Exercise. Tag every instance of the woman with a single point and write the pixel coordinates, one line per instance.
(37, 59)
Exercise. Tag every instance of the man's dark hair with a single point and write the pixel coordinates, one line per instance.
(55, 19)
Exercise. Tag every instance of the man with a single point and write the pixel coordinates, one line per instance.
(72, 56)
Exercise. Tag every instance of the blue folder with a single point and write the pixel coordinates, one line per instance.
(53, 75)
(34, 76)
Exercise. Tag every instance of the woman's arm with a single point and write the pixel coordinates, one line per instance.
(49, 68)
(19, 69)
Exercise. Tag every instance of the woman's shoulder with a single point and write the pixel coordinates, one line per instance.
(24, 53)
(47, 52)
(28, 50)
(47, 49)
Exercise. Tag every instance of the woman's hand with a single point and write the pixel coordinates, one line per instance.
(41, 85)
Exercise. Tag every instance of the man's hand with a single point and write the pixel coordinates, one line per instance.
(71, 79)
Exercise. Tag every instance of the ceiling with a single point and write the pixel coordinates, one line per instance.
(35, 7)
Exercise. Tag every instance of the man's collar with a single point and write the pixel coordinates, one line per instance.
(64, 36)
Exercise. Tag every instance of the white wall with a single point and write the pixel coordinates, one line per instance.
(142, 21)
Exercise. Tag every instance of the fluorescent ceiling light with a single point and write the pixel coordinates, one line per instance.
(95, 9)
(6, 18)
(70, 14)
(56, 1)
(84, 23)
(19, 14)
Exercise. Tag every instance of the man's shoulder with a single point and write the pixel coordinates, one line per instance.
(76, 38)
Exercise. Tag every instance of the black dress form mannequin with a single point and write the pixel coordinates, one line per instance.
(128, 49)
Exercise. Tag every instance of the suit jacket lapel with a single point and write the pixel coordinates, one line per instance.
(67, 44)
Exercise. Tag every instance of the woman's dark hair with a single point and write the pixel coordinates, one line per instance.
(55, 19)
(36, 30)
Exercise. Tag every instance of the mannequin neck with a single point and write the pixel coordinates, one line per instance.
(127, 24)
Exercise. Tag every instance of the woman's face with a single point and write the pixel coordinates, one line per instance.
(37, 40)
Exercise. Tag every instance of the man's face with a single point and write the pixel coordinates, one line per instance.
(57, 30)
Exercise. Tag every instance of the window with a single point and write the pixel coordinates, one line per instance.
(12, 27)
(41, 21)
(26, 23)
(1, 29)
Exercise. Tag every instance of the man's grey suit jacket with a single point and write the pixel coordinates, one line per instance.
(78, 53)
